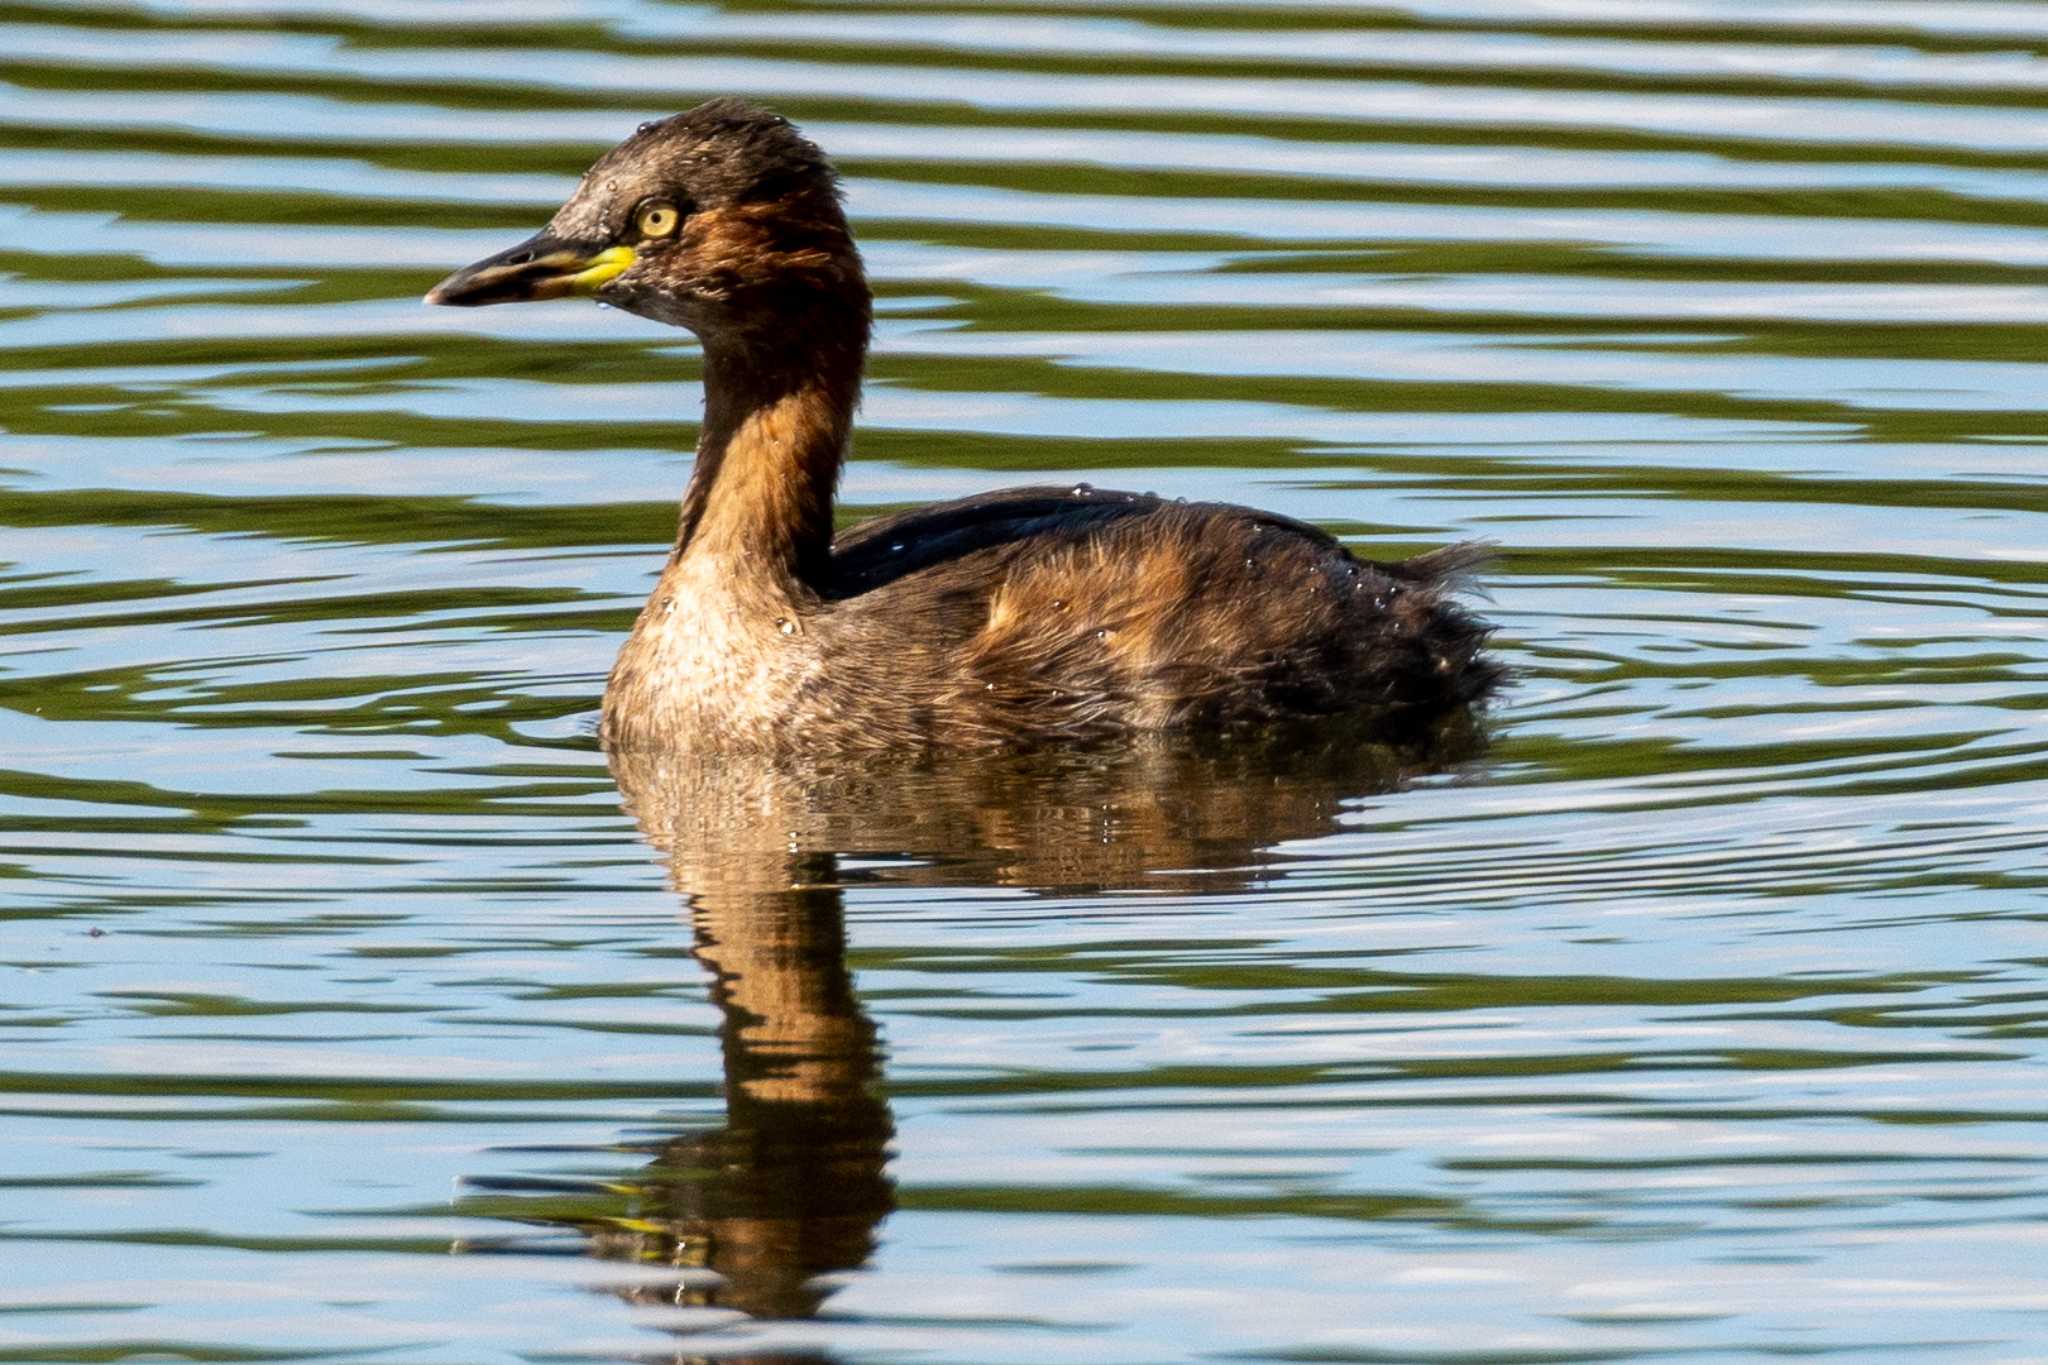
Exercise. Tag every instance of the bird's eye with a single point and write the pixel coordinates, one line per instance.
(656, 218)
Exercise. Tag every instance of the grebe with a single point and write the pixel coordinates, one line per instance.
(1016, 618)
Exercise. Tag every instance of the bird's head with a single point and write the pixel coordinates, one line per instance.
(725, 220)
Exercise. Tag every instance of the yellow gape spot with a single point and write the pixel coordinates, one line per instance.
(602, 268)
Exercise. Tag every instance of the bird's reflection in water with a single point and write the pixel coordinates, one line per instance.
(758, 1214)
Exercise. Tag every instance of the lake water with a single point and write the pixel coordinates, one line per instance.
(354, 1010)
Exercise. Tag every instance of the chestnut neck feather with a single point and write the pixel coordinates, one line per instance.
(776, 422)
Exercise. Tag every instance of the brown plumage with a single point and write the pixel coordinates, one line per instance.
(1028, 616)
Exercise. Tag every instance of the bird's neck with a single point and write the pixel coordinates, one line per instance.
(759, 503)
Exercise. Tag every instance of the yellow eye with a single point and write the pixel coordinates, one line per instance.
(657, 219)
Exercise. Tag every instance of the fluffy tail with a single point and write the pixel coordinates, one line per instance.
(1452, 669)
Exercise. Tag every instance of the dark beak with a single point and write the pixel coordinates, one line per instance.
(541, 267)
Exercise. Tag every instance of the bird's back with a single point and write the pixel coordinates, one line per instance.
(1054, 615)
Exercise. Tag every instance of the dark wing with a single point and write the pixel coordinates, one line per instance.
(892, 547)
